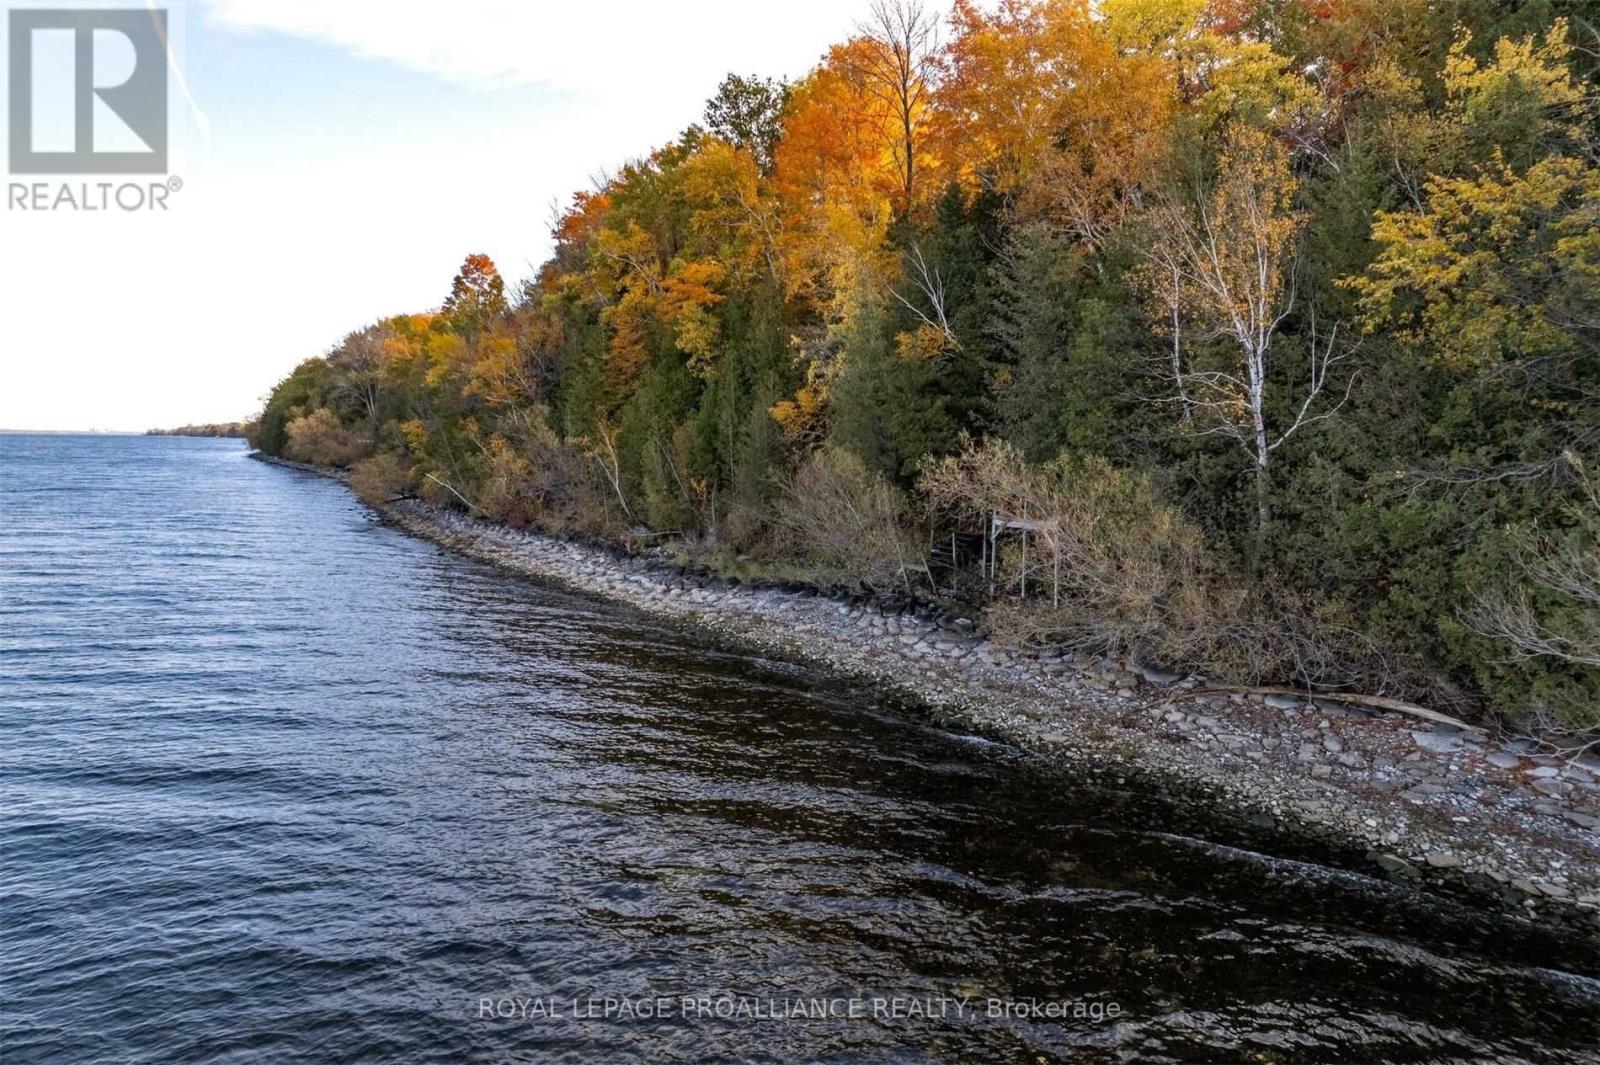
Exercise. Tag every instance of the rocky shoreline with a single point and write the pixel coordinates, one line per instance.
(1415, 802)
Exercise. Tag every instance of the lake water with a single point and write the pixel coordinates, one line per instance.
(279, 783)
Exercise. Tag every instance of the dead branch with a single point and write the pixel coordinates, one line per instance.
(929, 282)
(471, 506)
(1376, 702)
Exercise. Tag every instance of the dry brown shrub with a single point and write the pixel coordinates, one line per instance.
(849, 521)
(1109, 567)
(381, 479)
(502, 491)
(1112, 569)
(322, 440)
(743, 529)
(543, 482)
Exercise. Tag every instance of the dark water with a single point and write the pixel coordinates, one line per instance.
(278, 783)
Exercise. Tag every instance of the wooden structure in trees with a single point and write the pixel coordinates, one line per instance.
(1001, 523)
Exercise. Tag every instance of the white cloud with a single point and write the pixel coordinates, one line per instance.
(607, 48)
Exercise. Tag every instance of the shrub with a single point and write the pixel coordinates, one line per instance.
(502, 492)
(381, 478)
(850, 521)
(1109, 567)
(322, 440)
(1112, 569)
(1543, 618)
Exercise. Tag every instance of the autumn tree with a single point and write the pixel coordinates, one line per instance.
(836, 183)
(1500, 267)
(477, 297)
(1063, 105)
(897, 66)
(1120, 100)
(1497, 270)
(1004, 77)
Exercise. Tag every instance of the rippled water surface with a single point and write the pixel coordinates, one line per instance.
(279, 783)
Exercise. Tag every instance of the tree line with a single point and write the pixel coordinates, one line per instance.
(1253, 335)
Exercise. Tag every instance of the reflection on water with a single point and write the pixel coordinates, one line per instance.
(278, 782)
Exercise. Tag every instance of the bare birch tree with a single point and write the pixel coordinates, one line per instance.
(1221, 262)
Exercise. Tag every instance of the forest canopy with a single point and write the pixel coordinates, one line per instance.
(1274, 324)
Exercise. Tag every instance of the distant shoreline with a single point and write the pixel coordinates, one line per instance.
(74, 432)
(228, 430)
(186, 430)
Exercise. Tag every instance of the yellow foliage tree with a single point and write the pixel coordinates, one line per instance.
(1499, 266)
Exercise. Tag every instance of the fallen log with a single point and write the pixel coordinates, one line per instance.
(1376, 702)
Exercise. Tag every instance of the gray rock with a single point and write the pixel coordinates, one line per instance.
(1161, 677)
(1443, 860)
(1283, 702)
(1393, 863)
(1437, 742)
(1544, 772)
(1333, 743)
(1322, 772)
(1502, 759)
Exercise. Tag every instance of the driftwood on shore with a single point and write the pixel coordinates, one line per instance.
(1376, 702)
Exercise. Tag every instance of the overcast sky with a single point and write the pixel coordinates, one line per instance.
(339, 158)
